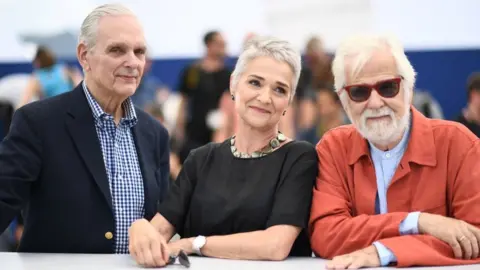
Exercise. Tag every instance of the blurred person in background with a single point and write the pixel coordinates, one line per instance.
(49, 78)
(326, 112)
(150, 88)
(83, 165)
(201, 86)
(470, 115)
(249, 196)
(395, 187)
(157, 112)
(425, 103)
(315, 74)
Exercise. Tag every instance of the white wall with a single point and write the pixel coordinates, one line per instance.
(298, 20)
(420, 24)
(175, 28)
(430, 24)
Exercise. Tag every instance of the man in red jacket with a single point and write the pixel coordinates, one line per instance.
(394, 187)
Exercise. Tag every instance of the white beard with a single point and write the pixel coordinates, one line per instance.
(383, 131)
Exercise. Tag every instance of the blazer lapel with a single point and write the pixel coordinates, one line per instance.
(144, 141)
(81, 127)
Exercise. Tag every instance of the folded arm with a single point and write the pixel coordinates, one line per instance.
(464, 200)
(334, 229)
(408, 226)
(273, 244)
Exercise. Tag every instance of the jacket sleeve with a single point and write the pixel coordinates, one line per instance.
(334, 230)
(164, 163)
(20, 163)
(464, 203)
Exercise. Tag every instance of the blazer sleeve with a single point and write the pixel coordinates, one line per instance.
(164, 162)
(177, 201)
(20, 164)
(426, 250)
(333, 229)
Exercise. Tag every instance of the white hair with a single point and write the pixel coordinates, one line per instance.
(360, 48)
(278, 49)
(88, 30)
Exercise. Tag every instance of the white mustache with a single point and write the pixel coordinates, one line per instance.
(385, 111)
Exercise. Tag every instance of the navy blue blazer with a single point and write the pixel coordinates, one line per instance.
(52, 168)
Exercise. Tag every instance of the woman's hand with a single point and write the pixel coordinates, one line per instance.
(184, 244)
(147, 245)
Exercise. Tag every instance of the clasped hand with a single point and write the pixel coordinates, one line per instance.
(461, 236)
(147, 246)
(367, 257)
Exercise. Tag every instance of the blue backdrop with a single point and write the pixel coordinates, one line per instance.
(442, 73)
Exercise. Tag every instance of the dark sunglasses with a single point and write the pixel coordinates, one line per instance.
(182, 258)
(386, 88)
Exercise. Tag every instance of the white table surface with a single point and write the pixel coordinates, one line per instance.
(31, 261)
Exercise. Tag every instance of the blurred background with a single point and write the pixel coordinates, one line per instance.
(193, 47)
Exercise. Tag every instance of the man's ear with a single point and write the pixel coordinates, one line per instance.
(231, 85)
(82, 52)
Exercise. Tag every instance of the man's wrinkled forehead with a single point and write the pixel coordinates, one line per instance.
(121, 28)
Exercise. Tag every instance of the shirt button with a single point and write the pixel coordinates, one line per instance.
(388, 155)
(120, 177)
(109, 235)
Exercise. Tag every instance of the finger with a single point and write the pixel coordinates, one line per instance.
(138, 254)
(475, 232)
(336, 265)
(339, 262)
(147, 254)
(155, 247)
(356, 264)
(457, 249)
(132, 251)
(164, 249)
(466, 246)
(472, 241)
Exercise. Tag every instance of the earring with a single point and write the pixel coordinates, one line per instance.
(233, 97)
(284, 112)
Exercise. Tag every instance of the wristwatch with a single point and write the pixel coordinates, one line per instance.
(198, 243)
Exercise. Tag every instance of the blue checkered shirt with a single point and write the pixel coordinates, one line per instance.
(122, 166)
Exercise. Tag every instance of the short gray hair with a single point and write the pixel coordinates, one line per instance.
(88, 30)
(361, 48)
(278, 49)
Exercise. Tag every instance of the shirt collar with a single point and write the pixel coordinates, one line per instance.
(99, 114)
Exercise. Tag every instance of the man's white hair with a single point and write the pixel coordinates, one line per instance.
(278, 49)
(88, 30)
(359, 49)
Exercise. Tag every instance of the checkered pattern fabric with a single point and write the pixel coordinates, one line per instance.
(122, 166)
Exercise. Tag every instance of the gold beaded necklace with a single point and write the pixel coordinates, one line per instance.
(272, 145)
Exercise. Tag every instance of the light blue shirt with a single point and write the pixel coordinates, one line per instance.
(385, 163)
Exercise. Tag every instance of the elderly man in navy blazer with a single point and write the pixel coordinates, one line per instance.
(82, 166)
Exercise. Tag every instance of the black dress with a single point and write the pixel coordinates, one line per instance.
(219, 194)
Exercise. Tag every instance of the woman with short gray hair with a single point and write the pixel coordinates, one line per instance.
(249, 196)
